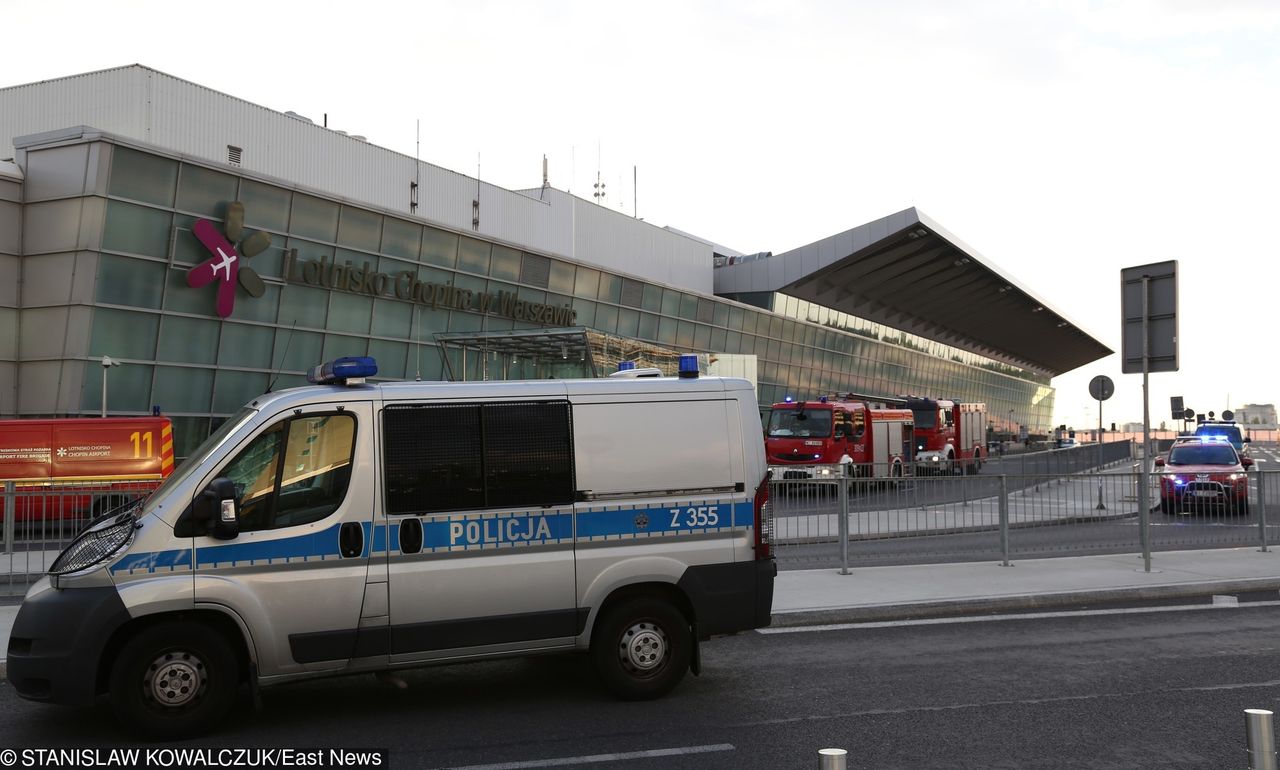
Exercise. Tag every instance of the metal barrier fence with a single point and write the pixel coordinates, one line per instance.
(836, 522)
(40, 521)
(1030, 505)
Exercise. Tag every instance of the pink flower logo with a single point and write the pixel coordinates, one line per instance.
(225, 264)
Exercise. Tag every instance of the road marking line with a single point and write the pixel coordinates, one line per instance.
(559, 761)
(1018, 616)
(1220, 600)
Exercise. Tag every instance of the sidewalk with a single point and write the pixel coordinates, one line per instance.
(807, 597)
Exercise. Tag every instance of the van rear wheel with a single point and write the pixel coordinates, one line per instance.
(174, 680)
(642, 648)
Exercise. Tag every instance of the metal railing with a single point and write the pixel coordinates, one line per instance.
(38, 521)
(834, 521)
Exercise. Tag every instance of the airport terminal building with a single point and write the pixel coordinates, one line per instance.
(217, 249)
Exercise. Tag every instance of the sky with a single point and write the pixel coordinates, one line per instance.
(1061, 139)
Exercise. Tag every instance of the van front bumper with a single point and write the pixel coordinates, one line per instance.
(57, 641)
(728, 598)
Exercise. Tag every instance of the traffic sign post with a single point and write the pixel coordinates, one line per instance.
(1149, 319)
(1101, 388)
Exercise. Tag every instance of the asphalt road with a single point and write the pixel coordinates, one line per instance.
(1162, 690)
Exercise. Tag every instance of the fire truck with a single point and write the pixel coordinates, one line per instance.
(874, 436)
(77, 468)
(949, 436)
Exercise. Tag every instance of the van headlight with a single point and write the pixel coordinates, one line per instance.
(99, 542)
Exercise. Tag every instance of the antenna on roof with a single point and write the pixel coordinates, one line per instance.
(276, 376)
(545, 182)
(417, 167)
(599, 193)
(475, 204)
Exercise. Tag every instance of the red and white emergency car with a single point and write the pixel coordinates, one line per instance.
(75, 468)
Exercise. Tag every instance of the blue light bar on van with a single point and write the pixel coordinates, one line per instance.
(689, 366)
(626, 366)
(343, 370)
(788, 399)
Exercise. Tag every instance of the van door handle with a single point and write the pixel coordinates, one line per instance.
(351, 539)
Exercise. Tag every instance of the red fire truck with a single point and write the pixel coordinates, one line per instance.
(876, 438)
(950, 436)
(75, 468)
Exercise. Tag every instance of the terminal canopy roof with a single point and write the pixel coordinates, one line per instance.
(907, 272)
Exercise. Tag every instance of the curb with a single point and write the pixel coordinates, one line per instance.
(987, 605)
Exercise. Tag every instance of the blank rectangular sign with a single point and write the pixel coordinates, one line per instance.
(1161, 317)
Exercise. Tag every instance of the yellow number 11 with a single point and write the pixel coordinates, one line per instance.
(138, 438)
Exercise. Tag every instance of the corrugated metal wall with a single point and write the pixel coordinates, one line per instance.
(149, 106)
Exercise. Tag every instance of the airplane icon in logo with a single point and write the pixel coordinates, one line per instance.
(225, 266)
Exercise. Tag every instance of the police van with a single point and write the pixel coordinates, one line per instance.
(354, 527)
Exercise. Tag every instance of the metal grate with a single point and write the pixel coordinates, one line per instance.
(95, 545)
(447, 457)
(535, 270)
(433, 458)
(233, 155)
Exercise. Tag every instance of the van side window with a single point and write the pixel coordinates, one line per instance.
(453, 457)
(295, 473)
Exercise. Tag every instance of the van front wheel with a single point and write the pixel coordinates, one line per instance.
(174, 680)
(642, 648)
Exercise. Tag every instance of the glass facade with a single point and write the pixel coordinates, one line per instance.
(345, 280)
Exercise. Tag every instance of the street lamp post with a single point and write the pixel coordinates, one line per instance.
(107, 363)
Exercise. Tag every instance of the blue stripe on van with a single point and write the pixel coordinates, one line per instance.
(312, 544)
(154, 560)
(463, 533)
(676, 518)
(517, 529)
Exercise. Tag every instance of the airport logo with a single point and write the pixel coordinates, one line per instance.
(226, 263)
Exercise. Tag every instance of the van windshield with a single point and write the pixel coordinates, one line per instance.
(793, 423)
(207, 447)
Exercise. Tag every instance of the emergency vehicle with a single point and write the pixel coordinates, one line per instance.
(1227, 430)
(876, 439)
(1203, 471)
(949, 436)
(77, 468)
(355, 527)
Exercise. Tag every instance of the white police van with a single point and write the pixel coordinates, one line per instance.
(347, 527)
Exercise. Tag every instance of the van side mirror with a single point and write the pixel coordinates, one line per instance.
(1246, 462)
(1159, 462)
(1247, 440)
(216, 511)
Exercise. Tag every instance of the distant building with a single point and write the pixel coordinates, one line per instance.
(1131, 427)
(1257, 415)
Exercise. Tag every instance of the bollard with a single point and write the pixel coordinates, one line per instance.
(1004, 519)
(1260, 738)
(834, 759)
(1262, 509)
(843, 526)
